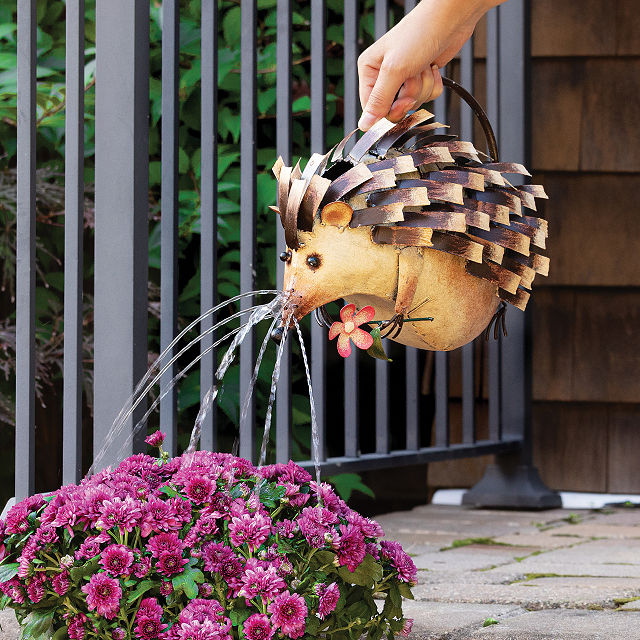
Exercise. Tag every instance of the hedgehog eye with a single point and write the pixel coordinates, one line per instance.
(285, 256)
(313, 261)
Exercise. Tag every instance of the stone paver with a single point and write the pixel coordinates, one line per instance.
(557, 575)
(9, 627)
(562, 625)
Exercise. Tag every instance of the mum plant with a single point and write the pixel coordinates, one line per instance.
(204, 546)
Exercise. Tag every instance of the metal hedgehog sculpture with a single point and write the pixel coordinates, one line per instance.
(413, 223)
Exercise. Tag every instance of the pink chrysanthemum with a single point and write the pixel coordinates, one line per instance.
(17, 519)
(117, 559)
(350, 547)
(400, 561)
(118, 633)
(158, 516)
(199, 489)
(103, 595)
(252, 529)
(155, 439)
(149, 628)
(329, 597)
(142, 567)
(288, 614)
(257, 627)
(149, 608)
(164, 542)
(124, 514)
(261, 581)
(75, 627)
(201, 609)
(406, 628)
(36, 588)
(170, 563)
(60, 583)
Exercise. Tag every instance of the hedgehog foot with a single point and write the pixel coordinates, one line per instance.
(394, 324)
(498, 322)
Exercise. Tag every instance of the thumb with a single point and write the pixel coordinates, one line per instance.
(381, 97)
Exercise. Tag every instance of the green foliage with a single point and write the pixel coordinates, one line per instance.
(346, 483)
(489, 621)
(51, 97)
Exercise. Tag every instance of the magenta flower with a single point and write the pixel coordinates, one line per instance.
(124, 514)
(260, 581)
(350, 547)
(288, 614)
(257, 627)
(118, 633)
(349, 330)
(155, 439)
(75, 627)
(252, 529)
(149, 608)
(164, 542)
(159, 515)
(60, 583)
(170, 563)
(406, 628)
(329, 597)
(103, 595)
(199, 489)
(400, 561)
(149, 628)
(142, 567)
(17, 519)
(117, 559)
(36, 588)
(201, 609)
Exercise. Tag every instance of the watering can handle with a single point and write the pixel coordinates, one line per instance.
(479, 113)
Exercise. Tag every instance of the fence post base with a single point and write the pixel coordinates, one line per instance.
(509, 484)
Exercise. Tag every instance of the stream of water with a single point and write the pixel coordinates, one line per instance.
(165, 360)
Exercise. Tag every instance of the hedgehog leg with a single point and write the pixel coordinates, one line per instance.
(410, 263)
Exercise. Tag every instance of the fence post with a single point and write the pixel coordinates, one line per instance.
(513, 482)
(121, 212)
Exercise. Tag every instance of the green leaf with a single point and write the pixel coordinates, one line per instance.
(366, 575)
(231, 24)
(90, 566)
(170, 491)
(271, 492)
(188, 581)
(376, 350)
(238, 616)
(489, 621)
(7, 571)
(143, 587)
(393, 603)
(60, 634)
(346, 483)
(37, 625)
(405, 590)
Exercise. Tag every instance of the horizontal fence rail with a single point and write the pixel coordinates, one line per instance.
(450, 405)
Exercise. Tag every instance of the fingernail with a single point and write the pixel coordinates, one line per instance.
(366, 121)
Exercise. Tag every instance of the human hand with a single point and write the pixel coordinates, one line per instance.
(400, 71)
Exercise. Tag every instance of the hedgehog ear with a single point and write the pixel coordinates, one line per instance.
(338, 214)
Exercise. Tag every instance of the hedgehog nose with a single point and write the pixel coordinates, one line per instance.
(276, 334)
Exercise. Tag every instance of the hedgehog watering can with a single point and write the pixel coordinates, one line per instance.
(419, 230)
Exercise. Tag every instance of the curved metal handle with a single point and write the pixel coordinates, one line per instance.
(479, 113)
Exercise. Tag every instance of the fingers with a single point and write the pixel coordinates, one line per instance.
(416, 91)
(381, 97)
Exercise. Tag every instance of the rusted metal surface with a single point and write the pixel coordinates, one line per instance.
(347, 182)
(377, 215)
(382, 179)
(414, 196)
(467, 179)
(407, 236)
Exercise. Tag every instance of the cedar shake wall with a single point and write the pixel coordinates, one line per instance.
(585, 119)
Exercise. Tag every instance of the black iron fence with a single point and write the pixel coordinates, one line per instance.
(121, 238)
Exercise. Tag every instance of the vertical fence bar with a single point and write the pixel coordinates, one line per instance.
(318, 141)
(382, 368)
(208, 207)
(169, 213)
(468, 351)
(412, 371)
(351, 105)
(283, 148)
(515, 374)
(122, 208)
(73, 258)
(493, 111)
(441, 359)
(248, 105)
(442, 398)
(26, 250)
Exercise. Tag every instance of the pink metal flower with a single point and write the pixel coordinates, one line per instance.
(349, 329)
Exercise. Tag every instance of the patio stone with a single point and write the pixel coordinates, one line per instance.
(541, 593)
(9, 627)
(562, 625)
(599, 530)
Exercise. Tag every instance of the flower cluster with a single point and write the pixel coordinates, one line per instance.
(200, 547)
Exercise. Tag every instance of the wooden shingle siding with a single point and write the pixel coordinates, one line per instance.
(594, 219)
